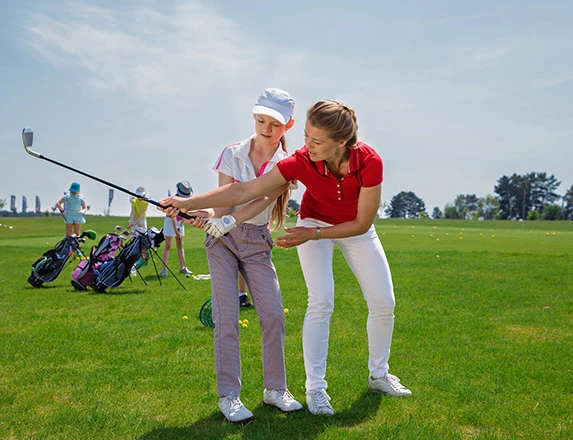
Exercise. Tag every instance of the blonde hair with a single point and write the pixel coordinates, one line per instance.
(279, 210)
(337, 119)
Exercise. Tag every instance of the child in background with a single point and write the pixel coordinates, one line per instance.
(138, 215)
(174, 227)
(243, 297)
(73, 207)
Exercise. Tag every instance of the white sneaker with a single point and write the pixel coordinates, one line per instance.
(388, 384)
(282, 399)
(319, 402)
(234, 410)
(185, 272)
(163, 272)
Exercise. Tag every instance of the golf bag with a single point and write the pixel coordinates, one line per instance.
(113, 273)
(105, 250)
(49, 267)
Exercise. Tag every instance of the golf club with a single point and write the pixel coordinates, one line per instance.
(28, 139)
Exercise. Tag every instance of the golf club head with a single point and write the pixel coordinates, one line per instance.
(89, 234)
(27, 137)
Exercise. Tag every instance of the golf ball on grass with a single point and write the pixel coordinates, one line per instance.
(286, 311)
(185, 317)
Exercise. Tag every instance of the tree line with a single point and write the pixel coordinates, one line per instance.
(530, 196)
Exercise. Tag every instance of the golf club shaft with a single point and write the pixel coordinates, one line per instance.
(119, 188)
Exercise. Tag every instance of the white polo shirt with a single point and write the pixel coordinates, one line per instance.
(234, 162)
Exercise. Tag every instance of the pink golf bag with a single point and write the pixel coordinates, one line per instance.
(105, 250)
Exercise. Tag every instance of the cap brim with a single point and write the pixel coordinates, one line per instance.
(262, 110)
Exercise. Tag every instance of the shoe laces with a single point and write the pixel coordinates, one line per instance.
(394, 381)
(284, 395)
(320, 398)
(234, 402)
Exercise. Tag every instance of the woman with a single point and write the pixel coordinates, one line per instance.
(343, 178)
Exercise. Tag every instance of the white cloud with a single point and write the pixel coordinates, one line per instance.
(175, 53)
(551, 82)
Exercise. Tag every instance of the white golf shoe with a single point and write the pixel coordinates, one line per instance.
(319, 402)
(388, 384)
(234, 410)
(282, 399)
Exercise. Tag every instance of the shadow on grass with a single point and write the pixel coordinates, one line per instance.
(119, 291)
(271, 423)
(47, 285)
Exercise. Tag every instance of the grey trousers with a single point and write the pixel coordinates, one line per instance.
(248, 250)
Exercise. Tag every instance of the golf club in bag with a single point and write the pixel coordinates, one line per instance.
(104, 251)
(49, 267)
(112, 273)
(28, 139)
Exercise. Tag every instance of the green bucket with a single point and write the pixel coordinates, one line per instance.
(206, 314)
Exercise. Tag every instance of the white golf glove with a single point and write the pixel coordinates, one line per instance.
(218, 227)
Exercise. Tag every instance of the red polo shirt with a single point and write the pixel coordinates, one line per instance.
(326, 197)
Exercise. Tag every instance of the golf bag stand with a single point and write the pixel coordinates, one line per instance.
(47, 268)
(112, 273)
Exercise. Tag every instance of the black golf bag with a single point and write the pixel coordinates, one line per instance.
(47, 268)
(113, 273)
(104, 251)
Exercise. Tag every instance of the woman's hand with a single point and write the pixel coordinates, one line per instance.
(295, 236)
(173, 205)
(197, 222)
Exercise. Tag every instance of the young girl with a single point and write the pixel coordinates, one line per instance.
(246, 250)
(138, 214)
(174, 227)
(73, 207)
(343, 180)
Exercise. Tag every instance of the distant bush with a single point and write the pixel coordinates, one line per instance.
(533, 215)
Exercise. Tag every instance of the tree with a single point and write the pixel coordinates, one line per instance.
(450, 212)
(460, 206)
(488, 207)
(406, 205)
(436, 213)
(507, 189)
(533, 215)
(552, 212)
(292, 207)
(464, 207)
(520, 194)
(543, 189)
(2, 204)
(568, 201)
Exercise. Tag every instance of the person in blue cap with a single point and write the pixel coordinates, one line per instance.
(73, 206)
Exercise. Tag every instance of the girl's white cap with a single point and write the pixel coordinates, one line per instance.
(275, 103)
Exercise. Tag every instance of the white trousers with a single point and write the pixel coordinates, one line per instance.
(365, 257)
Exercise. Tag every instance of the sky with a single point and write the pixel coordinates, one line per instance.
(453, 95)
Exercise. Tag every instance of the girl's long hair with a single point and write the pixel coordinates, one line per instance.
(279, 210)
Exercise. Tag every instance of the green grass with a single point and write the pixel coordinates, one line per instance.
(483, 338)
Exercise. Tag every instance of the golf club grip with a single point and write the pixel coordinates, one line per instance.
(159, 205)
